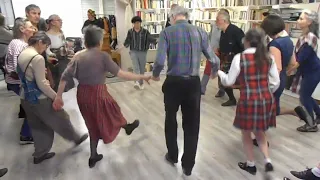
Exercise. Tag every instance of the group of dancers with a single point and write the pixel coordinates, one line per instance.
(259, 72)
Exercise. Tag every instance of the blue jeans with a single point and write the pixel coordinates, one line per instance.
(25, 129)
(308, 85)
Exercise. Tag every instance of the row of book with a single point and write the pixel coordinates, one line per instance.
(151, 16)
(154, 29)
(150, 4)
(205, 15)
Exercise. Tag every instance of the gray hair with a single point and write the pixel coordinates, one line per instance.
(2, 20)
(39, 36)
(31, 7)
(92, 36)
(179, 10)
(313, 17)
(225, 16)
(18, 23)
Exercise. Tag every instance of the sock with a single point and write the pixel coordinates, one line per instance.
(250, 163)
(316, 171)
(267, 160)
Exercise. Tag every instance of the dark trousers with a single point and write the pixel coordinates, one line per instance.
(308, 85)
(25, 129)
(184, 92)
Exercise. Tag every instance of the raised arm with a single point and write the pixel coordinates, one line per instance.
(113, 68)
(151, 38)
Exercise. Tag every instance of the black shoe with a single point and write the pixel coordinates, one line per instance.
(268, 167)
(170, 160)
(220, 94)
(255, 142)
(94, 160)
(251, 170)
(82, 139)
(285, 178)
(187, 171)
(307, 175)
(229, 103)
(44, 157)
(130, 127)
(26, 140)
(307, 128)
(3, 171)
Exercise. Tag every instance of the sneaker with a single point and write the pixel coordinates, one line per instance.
(136, 85)
(307, 128)
(26, 140)
(306, 174)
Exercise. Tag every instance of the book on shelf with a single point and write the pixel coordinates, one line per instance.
(150, 4)
(151, 16)
(204, 25)
(183, 3)
(154, 28)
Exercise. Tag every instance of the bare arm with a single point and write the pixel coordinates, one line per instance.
(277, 57)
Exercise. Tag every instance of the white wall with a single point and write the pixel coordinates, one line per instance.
(68, 10)
(7, 10)
(122, 33)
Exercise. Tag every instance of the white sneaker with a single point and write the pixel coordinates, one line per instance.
(136, 85)
(141, 86)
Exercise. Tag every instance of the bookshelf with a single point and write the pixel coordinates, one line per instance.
(246, 14)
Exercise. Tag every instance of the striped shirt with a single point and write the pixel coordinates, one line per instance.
(15, 47)
(184, 44)
(139, 41)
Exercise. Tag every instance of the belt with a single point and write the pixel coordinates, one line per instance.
(182, 77)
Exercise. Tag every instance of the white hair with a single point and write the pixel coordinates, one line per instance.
(314, 18)
(179, 10)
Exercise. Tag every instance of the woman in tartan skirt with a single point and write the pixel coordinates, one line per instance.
(258, 76)
(100, 111)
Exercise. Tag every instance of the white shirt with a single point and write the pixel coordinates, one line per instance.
(230, 78)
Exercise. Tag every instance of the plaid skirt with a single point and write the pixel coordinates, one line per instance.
(100, 111)
(255, 115)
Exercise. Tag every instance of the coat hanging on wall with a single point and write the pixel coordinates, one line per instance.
(106, 37)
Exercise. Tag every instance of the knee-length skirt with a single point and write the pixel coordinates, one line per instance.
(100, 111)
(255, 115)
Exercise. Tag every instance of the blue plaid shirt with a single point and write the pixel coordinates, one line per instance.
(183, 44)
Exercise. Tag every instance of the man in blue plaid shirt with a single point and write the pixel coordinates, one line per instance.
(182, 44)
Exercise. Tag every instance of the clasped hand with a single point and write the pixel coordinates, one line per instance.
(57, 103)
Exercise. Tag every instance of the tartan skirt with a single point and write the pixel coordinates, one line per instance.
(100, 111)
(255, 115)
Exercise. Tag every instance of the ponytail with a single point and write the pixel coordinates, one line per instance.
(261, 55)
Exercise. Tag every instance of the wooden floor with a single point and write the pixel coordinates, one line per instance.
(141, 155)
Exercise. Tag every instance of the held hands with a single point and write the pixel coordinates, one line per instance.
(57, 103)
(155, 78)
(146, 78)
